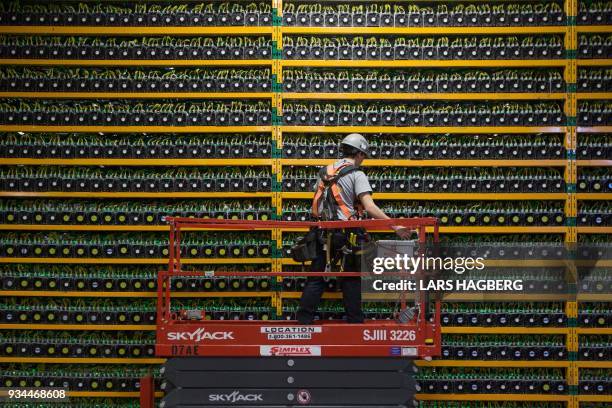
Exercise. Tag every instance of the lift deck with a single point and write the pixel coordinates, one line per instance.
(195, 344)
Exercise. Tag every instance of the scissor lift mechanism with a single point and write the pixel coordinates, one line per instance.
(177, 337)
(214, 358)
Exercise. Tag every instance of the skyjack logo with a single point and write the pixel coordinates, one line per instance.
(200, 334)
(235, 396)
(290, 350)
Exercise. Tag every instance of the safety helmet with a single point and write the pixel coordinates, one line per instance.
(358, 142)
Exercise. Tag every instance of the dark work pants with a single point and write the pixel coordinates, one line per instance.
(315, 286)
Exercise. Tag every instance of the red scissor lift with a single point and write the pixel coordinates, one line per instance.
(178, 335)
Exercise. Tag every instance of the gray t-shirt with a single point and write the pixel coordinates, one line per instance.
(351, 186)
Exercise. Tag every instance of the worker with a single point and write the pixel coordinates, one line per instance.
(342, 193)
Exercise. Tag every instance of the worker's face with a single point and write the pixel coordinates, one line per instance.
(359, 158)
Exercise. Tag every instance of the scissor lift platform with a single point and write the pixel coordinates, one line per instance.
(194, 340)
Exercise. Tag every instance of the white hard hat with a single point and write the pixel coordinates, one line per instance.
(358, 142)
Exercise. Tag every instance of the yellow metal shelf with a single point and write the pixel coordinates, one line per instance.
(595, 230)
(492, 397)
(326, 295)
(137, 95)
(449, 196)
(593, 28)
(496, 297)
(593, 62)
(594, 196)
(424, 63)
(493, 297)
(135, 63)
(109, 394)
(137, 129)
(425, 96)
(593, 95)
(423, 30)
(470, 230)
(102, 30)
(114, 327)
(422, 129)
(137, 162)
(595, 129)
(594, 364)
(503, 230)
(93, 194)
(144, 261)
(594, 163)
(594, 330)
(504, 330)
(595, 398)
(59, 293)
(75, 360)
(593, 297)
(491, 363)
(432, 163)
(59, 227)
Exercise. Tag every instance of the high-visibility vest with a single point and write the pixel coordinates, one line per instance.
(328, 192)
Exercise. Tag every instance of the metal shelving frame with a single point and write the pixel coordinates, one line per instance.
(276, 130)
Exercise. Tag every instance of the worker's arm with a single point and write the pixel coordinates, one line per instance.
(370, 206)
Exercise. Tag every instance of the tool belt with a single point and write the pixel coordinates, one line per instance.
(306, 248)
(338, 246)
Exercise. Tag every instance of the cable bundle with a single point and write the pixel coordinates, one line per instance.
(595, 12)
(132, 113)
(24, 79)
(595, 113)
(421, 114)
(463, 213)
(596, 213)
(595, 381)
(414, 15)
(594, 314)
(131, 245)
(122, 278)
(333, 310)
(594, 146)
(81, 377)
(137, 14)
(399, 81)
(109, 212)
(503, 347)
(415, 48)
(448, 180)
(595, 46)
(137, 146)
(103, 345)
(436, 146)
(595, 347)
(67, 311)
(595, 280)
(127, 179)
(595, 79)
(147, 48)
(464, 380)
(594, 180)
(504, 314)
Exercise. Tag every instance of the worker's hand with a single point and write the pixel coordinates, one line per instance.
(403, 232)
